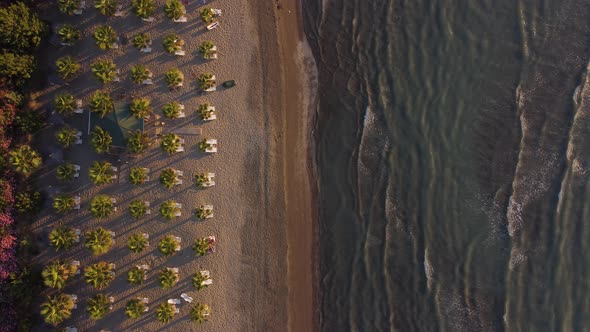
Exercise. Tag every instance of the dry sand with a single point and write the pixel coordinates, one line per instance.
(261, 165)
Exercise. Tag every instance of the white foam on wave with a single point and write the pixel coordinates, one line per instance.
(428, 270)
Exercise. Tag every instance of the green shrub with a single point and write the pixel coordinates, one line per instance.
(136, 275)
(67, 136)
(138, 209)
(173, 43)
(64, 202)
(106, 7)
(142, 40)
(24, 160)
(62, 238)
(167, 278)
(135, 308)
(101, 140)
(29, 121)
(99, 241)
(57, 273)
(57, 309)
(174, 78)
(137, 243)
(138, 141)
(100, 173)
(168, 245)
(68, 34)
(101, 206)
(68, 6)
(200, 312)
(144, 8)
(65, 172)
(174, 9)
(98, 306)
(67, 67)
(199, 280)
(101, 103)
(168, 178)
(28, 201)
(170, 143)
(139, 73)
(165, 312)
(16, 69)
(138, 175)
(105, 37)
(141, 108)
(99, 275)
(104, 70)
(65, 104)
(207, 50)
(168, 210)
(20, 29)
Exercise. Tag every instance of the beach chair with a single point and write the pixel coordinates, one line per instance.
(146, 236)
(144, 300)
(178, 172)
(213, 26)
(78, 109)
(180, 149)
(112, 265)
(182, 19)
(181, 115)
(213, 88)
(149, 81)
(208, 207)
(173, 269)
(174, 301)
(79, 141)
(178, 182)
(186, 297)
(74, 298)
(217, 12)
(213, 145)
(118, 12)
(77, 232)
(81, 8)
(148, 211)
(76, 168)
(148, 19)
(114, 200)
(71, 329)
(112, 233)
(210, 182)
(117, 72)
(212, 115)
(77, 200)
(144, 267)
(146, 50)
(114, 169)
(77, 265)
(178, 206)
(66, 44)
(180, 52)
(181, 140)
(176, 310)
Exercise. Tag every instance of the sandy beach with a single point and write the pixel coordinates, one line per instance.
(262, 198)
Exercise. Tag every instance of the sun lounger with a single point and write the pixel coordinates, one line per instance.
(149, 19)
(77, 265)
(113, 200)
(177, 239)
(71, 329)
(146, 236)
(181, 19)
(112, 233)
(178, 172)
(181, 140)
(217, 12)
(146, 50)
(119, 13)
(180, 149)
(147, 82)
(181, 115)
(173, 269)
(144, 267)
(111, 299)
(178, 206)
(180, 84)
(77, 200)
(144, 300)
(176, 310)
(186, 297)
(66, 44)
(178, 214)
(76, 168)
(213, 145)
(181, 107)
(74, 298)
(78, 12)
(178, 182)
(213, 26)
(174, 301)
(180, 53)
(114, 169)
(77, 174)
(79, 141)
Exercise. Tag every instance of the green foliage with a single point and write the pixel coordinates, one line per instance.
(101, 206)
(65, 104)
(205, 81)
(101, 103)
(207, 15)
(136, 275)
(106, 7)
(168, 245)
(168, 178)
(16, 69)
(207, 50)
(168, 210)
(57, 309)
(165, 312)
(174, 77)
(135, 308)
(174, 9)
(173, 43)
(170, 142)
(101, 140)
(138, 141)
(98, 241)
(105, 37)
(99, 275)
(200, 312)
(139, 73)
(100, 173)
(67, 136)
(203, 246)
(68, 6)
(65, 172)
(24, 160)
(199, 280)
(98, 306)
(202, 213)
(68, 34)
(104, 70)
(67, 67)
(172, 110)
(137, 175)
(29, 121)
(204, 112)
(141, 108)
(144, 8)
(20, 29)
(62, 238)
(202, 180)
(142, 40)
(64, 202)
(57, 273)
(28, 201)
(167, 278)
(137, 243)
(138, 209)
(203, 145)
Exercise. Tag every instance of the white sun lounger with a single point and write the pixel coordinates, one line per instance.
(119, 13)
(74, 298)
(179, 240)
(178, 182)
(176, 310)
(217, 12)
(77, 174)
(112, 233)
(147, 82)
(146, 50)
(149, 19)
(71, 329)
(146, 236)
(178, 172)
(180, 149)
(77, 200)
(182, 19)
(66, 44)
(213, 143)
(81, 8)
(213, 26)
(178, 214)
(186, 297)
(181, 107)
(77, 265)
(115, 169)
(174, 301)
(79, 141)
(181, 115)
(79, 134)
(178, 206)
(181, 140)
(173, 269)
(144, 267)
(144, 300)
(180, 84)
(76, 168)
(77, 232)
(113, 200)
(180, 53)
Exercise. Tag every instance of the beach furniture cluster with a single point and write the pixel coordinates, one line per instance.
(59, 273)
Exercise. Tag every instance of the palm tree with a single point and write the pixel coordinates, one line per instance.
(104, 70)
(205, 81)
(142, 40)
(136, 275)
(168, 245)
(140, 73)
(101, 173)
(57, 309)
(202, 180)
(98, 306)
(168, 178)
(99, 275)
(138, 141)
(101, 140)
(200, 312)
(135, 308)
(141, 108)
(138, 209)
(144, 8)
(67, 67)
(65, 172)
(203, 246)
(172, 110)
(62, 238)
(207, 15)
(137, 243)
(101, 206)
(204, 112)
(137, 175)
(65, 104)
(57, 273)
(202, 212)
(168, 210)
(208, 50)
(24, 160)
(165, 312)
(64, 202)
(101, 103)
(68, 6)
(99, 241)
(67, 136)
(167, 278)
(105, 37)
(68, 34)
(173, 43)
(170, 143)
(199, 280)
(174, 9)
(174, 78)
(106, 7)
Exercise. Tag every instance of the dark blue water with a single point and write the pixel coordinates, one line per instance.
(452, 151)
